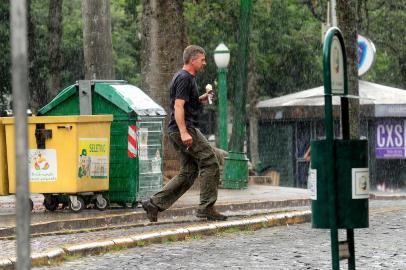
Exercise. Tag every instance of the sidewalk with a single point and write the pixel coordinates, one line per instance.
(255, 197)
(61, 234)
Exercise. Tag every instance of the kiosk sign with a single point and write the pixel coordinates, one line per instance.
(337, 67)
(390, 139)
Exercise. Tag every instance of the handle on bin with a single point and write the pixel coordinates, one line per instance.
(68, 127)
(42, 134)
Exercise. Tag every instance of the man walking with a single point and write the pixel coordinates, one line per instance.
(194, 150)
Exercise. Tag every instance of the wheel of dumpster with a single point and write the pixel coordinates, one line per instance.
(51, 203)
(101, 203)
(80, 204)
(31, 204)
(135, 204)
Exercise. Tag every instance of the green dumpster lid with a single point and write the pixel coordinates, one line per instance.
(134, 98)
(127, 97)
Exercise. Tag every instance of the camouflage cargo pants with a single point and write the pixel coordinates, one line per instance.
(199, 157)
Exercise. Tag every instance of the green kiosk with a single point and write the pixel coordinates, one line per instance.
(339, 175)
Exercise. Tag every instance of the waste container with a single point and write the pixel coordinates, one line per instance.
(352, 178)
(67, 155)
(3, 161)
(136, 148)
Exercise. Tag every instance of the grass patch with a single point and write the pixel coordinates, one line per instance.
(195, 236)
(141, 243)
(172, 238)
(71, 257)
(248, 229)
(230, 230)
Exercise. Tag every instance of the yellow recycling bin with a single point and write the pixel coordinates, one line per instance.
(67, 155)
(3, 161)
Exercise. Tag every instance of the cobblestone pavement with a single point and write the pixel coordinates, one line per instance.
(41, 244)
(293, 247)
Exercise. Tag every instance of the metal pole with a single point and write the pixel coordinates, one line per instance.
(330, 162)
(333, 13)
(223, 108)
(236, 164)
(19, 72)
(351, 249)
(332, 185)
(238, 134)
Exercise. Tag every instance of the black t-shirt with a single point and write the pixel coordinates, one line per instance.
(183, 86)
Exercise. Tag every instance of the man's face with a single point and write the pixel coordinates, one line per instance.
(199, 62)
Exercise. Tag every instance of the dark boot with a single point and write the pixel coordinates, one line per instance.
(210, 213)
(151, 210)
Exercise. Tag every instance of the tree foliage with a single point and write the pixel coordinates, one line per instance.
(384, 23)
(5, 58)
(285, 41)
(37, 53)
(126, 39)
(55, 27)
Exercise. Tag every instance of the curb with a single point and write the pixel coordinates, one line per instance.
(178, 234)
(387, 197)
(139, 216)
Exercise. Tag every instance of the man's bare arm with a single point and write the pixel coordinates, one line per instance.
(180, 121)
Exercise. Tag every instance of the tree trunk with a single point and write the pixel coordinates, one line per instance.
(37, 85)
(97, 43)
(54, 46)
(5, 55)
(402, 66)
(162, 43)
(347, 22)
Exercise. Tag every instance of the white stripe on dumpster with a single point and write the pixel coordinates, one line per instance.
(132, 141)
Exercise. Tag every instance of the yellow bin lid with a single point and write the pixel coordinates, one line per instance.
(63, 119)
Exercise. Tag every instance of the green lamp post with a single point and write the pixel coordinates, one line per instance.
(222, 58)
(236, 164)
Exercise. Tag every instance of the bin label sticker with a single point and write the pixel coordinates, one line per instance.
(143, 143)
(93, 158)
(43, 166)
(312, 184)
(360, 183)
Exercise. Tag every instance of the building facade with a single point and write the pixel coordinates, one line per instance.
(287, 124)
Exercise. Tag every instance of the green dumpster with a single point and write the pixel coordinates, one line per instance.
(351, 170)
(136, 148)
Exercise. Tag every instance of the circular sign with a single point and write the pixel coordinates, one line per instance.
(366, 54)
(337, 67)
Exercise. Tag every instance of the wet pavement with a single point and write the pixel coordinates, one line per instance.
(253, 195)
(381, 246)
(47, 242)
(254, 200)
(238, 204)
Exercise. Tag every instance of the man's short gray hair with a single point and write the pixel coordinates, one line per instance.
(191, 52)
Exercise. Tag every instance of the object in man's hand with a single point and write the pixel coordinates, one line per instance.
(209, 91)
